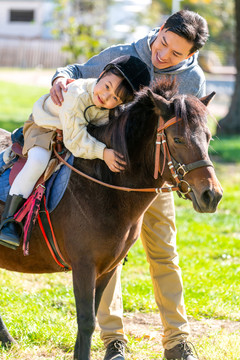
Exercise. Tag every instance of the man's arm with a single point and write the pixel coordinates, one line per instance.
(94, 66)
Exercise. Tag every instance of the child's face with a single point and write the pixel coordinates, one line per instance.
(104, 94)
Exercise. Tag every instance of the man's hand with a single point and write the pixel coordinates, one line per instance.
(59, 85)
(114, 160)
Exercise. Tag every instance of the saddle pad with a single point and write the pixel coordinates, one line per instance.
(4, 181)
(59, 182)
(55, 186)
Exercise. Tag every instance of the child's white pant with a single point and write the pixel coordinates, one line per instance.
(24, 182)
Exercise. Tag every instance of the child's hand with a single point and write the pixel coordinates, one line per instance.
(114, 160)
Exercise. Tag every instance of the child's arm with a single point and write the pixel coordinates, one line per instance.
(75, 135)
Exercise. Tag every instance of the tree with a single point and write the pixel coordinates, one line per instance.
(230, 124)
(78, 23)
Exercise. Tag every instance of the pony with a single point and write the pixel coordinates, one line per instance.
(95, 225)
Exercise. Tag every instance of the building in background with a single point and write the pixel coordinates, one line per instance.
(26, 38)
(26, 19)
(26, 27)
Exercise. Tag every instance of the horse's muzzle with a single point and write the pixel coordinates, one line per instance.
(208, 201)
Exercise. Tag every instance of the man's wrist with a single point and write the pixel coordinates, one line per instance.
(58, 77)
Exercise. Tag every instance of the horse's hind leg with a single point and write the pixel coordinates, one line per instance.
(84, 290)
(5, 338)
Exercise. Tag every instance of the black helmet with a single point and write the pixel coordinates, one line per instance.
(132, 69)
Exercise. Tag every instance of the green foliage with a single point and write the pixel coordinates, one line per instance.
(83, 39)
(221, 22)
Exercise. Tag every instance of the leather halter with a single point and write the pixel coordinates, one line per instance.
(178, 170)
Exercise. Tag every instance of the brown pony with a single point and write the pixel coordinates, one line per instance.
(95, 225)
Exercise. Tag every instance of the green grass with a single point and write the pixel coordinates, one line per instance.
(226, 148)
(16, 103)
(208, 246)
(39, 310)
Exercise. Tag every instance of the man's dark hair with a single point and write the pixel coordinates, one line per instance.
(190, 26)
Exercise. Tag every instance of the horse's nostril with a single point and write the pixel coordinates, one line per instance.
(211, 198)
(208, 197)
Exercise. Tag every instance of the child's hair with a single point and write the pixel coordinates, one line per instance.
(124, 91)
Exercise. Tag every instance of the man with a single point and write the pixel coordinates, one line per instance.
(169, 51)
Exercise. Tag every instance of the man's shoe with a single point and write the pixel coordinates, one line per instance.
(181, 351)
(115, 350)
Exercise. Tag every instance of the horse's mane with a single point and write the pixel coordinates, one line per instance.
(186, 107)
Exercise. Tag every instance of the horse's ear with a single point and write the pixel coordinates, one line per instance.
(162, 105)
(150, 94)
(206, 99)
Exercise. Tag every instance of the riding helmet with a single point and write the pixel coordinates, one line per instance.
(132, 69)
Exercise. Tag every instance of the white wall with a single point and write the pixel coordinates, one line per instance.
(37, 28)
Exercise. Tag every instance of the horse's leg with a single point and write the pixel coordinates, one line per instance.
(100, 286)
(84, 281)
(5, 338)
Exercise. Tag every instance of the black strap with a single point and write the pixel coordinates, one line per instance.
(84, 113)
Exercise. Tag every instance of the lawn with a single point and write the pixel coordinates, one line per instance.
(39, 310)
(16, 103)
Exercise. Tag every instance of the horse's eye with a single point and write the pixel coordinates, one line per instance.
(177, 140)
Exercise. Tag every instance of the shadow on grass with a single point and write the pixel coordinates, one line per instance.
(225, 149)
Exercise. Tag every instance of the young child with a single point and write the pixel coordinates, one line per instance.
(86, 100)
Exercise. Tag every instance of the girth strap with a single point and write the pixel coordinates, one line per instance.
(45, 225)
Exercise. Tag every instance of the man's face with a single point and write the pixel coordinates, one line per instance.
(169, 49)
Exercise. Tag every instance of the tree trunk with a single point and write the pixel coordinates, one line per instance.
(230, 124)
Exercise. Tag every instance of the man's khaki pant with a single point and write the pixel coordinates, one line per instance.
(159, 240)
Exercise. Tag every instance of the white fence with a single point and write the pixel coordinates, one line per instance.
(27, 53)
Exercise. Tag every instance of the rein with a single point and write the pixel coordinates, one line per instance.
(177, 170)
(122, 188)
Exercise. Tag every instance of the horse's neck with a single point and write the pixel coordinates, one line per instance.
(100, 200)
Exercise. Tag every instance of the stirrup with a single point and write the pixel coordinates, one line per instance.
(8, 245)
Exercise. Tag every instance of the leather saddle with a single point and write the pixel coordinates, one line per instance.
(55, 177)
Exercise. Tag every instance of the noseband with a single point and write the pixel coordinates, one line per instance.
(178, 170)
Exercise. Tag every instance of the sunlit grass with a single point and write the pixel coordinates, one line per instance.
(16, 103)
(226, 148)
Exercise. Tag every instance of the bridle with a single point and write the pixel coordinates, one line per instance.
(178, 171)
